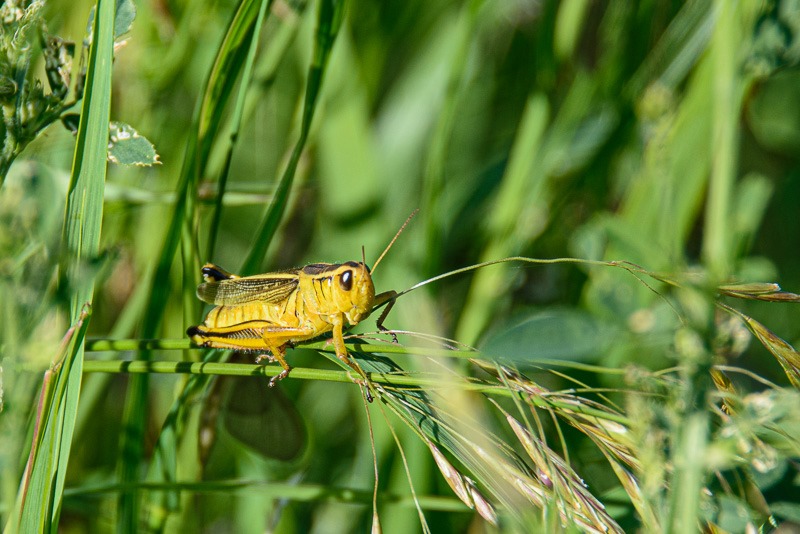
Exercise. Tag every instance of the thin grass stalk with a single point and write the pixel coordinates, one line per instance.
(468, 20)
(717, 252)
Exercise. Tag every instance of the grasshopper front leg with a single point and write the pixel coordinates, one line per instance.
(385, 297)
(341, 353)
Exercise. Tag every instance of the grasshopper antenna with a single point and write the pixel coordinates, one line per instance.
(393, 240)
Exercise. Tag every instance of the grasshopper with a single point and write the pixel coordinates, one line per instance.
(268, 313)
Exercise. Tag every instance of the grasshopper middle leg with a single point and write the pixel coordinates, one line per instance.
(277, 354)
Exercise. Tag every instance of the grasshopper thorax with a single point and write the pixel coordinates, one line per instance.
(350, 288)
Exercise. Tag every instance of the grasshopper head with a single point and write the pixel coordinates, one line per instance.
(355, 291)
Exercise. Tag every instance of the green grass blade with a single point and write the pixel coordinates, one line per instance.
(328, 23)
(434, 183)
(81, 242)
(236, 123)
(166, 457)
(522, 184)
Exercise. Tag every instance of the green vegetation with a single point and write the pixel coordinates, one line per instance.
(629, 365)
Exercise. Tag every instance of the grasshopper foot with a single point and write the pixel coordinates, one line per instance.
(387, 331)
(363, 381)
(280, 376)
(365, 387)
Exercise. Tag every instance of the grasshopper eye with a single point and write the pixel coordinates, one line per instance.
(346, 280)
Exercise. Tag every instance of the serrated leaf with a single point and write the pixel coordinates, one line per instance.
(126, 12)
(127, 147)
(123, 20)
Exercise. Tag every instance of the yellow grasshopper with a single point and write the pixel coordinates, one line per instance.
(272, 311)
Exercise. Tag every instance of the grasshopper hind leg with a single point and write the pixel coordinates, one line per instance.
(252, 336)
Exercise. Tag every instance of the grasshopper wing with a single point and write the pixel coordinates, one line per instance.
(231, 290)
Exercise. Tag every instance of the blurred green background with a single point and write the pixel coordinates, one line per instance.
(663, 133)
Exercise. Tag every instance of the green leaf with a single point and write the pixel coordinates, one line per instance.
(127, 147)
(559, 334)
